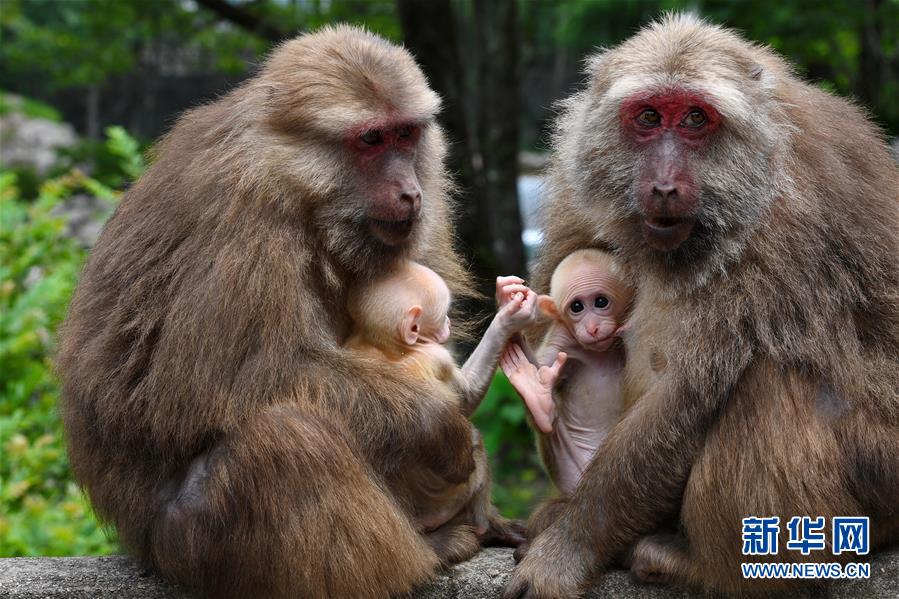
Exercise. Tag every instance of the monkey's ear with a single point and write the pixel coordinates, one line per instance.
(410, 328)
(546, 305)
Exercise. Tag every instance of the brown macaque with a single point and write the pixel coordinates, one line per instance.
(402, 320)
(759, 215)
(213, 415)
(573, 390)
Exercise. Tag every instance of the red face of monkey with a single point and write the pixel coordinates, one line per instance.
(668, 128)
(386, 161)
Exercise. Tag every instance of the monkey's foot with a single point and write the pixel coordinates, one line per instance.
(521, 551)
(502, 532)
(661, 559)
(453, 543)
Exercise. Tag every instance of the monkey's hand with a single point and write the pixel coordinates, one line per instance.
(519, 313)
(534, 385)
(506, 287)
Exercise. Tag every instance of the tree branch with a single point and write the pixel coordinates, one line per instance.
(245, 19)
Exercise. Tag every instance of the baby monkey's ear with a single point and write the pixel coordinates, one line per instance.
(410, 328)
(548, 307)
(624, 329)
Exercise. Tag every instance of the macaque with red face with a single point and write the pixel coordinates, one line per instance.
(759, 215)
(402, 319)
(573, 388)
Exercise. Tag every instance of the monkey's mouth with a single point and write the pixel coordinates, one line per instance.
(667, 233)
(392, 232)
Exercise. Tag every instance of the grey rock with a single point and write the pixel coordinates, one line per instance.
(32, 142)
(482, 577)
(84, 215)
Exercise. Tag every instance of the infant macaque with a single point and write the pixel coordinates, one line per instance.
(574, 391)
(401, 320)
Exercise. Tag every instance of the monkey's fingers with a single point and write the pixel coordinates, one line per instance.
(561, 358)
(502, 532)
(518, 588)
(519, 355)
(508, 280)
(513, 305)
(508, 290)
(507, 365)
(502, 282)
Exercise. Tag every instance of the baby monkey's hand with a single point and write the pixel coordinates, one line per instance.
(534, 385)
(517, 304)
(506, 287)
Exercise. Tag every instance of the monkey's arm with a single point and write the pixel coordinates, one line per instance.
(473, 379)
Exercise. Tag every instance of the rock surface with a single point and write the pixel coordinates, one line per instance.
(31, 142)
(480, 578)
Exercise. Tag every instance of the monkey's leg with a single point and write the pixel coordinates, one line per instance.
(493, 530)
(539, 521)
(283, 507)
(773, 452)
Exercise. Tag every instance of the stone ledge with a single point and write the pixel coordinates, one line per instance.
(480, 578)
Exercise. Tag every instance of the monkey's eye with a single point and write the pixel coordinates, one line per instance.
(601, 302)
(649, 118)
(694, 119)
(404, 132)
(371, 138)
(577, 306)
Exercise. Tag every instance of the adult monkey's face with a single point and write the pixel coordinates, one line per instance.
(385, 159)
(668, 128)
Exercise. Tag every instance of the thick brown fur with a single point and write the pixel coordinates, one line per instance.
(212, 415)
(772, 333)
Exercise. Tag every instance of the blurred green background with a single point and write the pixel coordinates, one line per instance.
(87, 85)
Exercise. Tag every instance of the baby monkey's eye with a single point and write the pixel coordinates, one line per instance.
(404, 132)
(601, 301)
(371, 138)
(577, 306)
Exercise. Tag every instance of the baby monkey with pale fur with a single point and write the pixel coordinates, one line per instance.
(402, 319)
(572, 387)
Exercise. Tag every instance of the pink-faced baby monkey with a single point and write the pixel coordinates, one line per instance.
(574, 391)
(402, 320)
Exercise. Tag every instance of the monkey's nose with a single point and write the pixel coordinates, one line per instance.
(413, 199)
(666, 191)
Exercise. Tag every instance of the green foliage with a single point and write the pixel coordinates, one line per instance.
(41, 510)
(30, 108)
(115, 162)
(518, 479)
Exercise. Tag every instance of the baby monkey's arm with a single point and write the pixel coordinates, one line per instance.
(517, 313)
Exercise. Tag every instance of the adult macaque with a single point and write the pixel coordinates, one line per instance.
(212, 414)
(573, 392)
(402, 320)
(761, 218)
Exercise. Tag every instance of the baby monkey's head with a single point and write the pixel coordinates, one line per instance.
(408, 306)
(589, 297)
